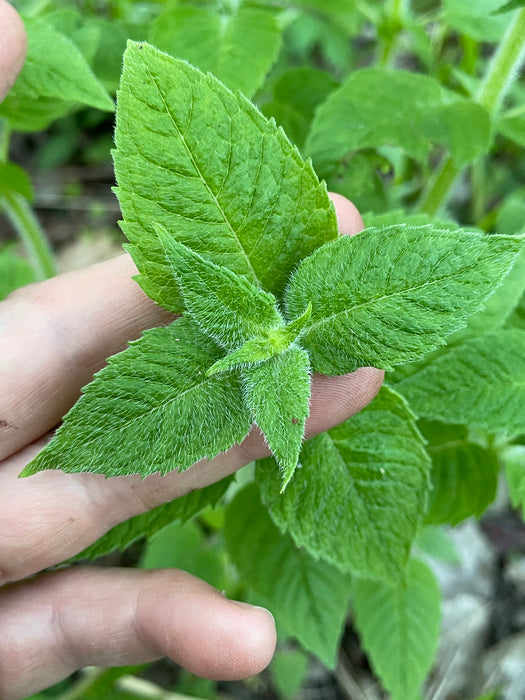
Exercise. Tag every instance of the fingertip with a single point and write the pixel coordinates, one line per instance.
(13, 46)
(349, 219)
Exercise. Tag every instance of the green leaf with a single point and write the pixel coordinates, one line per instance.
(277, 392)
(206, 165)
(15, 179)
(239, 49)
(288, 671)
(360, 492)
(509, 6)
(389, 296)
(152, 400)
(399, 628)
(464, 475)
(476, 19)
(437, 543)
(15, 271)
(514, 462)
(479, 383)
(308, 598)
(367, 112)
(513, 128)
(185, 547)
(61, 73)
(148, 524)
(226, 306)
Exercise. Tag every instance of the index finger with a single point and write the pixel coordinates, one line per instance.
(13, 45)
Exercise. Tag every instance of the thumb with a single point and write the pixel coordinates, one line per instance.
(13, 46)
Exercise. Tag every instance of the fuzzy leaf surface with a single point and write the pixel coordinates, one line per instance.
(360, 492)
(205, 164)
(308, 598)
(366, 112)
(226, 306)
(239, 48)
(479, 383)
(277, 392)
(464, 475)
(153, 400)
(148, 524)
(399, 628)
(59, 75)
(389, 296)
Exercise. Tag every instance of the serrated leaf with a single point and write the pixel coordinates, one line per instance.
(360, 491)
(206, 165)
(226, 306)
(148, 524)
(464, 475)
(367, 112)
(61, 74)
(308, 598)
(399, 628)
(238, 48)
(154, 401)
(15, 272)
(389, 296)
(277, 392)
(478, 383)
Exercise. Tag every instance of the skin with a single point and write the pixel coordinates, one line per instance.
(54, 336)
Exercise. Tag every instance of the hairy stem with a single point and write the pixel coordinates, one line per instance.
(502, 70)
(34, 239)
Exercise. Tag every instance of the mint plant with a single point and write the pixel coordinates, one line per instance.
(229, 225)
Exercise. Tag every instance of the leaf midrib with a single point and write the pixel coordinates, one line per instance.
(202, 178)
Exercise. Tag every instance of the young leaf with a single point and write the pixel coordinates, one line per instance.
(308, 598)
(238, 49)
(399, 628)
(360, 492)
(152, 401)
(206, 165)
(277, 392)
(226, 306)
(479, 383)
(148, 524)
(464, 475)
(367, 112)
(61, 74)
(389, 296)
(15, 271)
(514, 461)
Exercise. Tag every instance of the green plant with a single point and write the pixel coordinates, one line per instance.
(230, 193)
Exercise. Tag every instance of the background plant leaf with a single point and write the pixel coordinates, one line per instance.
(360, 492)
(399, 628)
(479, 383)
(308, 598)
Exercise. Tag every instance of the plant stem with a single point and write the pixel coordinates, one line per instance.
(31, 234)
(502, 70)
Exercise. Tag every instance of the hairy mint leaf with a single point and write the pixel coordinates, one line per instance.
(360, 492)
(238, 48)
(58, 74)
(464, 475)
(389, 296)
(277, 392)
(367, 112)
(399, 628)
(206, 165)
(478, 383)
(308, 598)
(152, 400)
(148, 524)
(226, 306)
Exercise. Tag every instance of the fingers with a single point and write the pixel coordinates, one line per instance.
(58, 333)
(59, 622)
(13, 45)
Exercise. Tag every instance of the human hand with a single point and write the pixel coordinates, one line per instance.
(55, 335)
